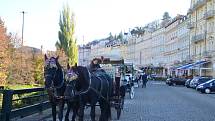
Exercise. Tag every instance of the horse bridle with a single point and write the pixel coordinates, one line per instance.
(53, 88)
(69, 85)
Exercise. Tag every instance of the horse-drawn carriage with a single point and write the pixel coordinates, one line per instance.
(122, 75)
(129, 79)
(80, 88)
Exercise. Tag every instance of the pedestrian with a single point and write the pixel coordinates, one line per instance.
(143, 78)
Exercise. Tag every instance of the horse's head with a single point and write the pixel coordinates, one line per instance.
(50, 70)
(78, 79)
(72, 80)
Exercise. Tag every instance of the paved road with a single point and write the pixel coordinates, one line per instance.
(159, 102)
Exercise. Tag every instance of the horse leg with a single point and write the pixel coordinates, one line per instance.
(68, 111)
(81, 111)
(109, 111)
(61, 107)
(102, 108)
(75, 111)
(54, 112)
(92, 112)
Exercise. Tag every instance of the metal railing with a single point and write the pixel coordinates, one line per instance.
(198, 4)
(198, 38)
(209, 14)
(206, 54)
(21, 103)
(190, 25)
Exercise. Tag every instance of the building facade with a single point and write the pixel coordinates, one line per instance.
(157, 48)
(201, 14)
(131, 48)
(176, 44)
(84, 55)
(142, 49)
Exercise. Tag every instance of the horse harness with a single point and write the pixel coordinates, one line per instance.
(54, 88)
(90, 87)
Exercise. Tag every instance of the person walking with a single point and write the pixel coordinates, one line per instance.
(144, 80)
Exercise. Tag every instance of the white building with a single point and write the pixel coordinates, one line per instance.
(84, 55)
(143, 50)
(131, 49)
(157, 48)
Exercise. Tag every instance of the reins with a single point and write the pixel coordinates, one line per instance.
(90, 87)
(53, 87)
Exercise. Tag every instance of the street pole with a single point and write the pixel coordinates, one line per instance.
(83, 50)
(190, 22)
(23, 15)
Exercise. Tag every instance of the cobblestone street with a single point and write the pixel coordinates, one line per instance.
(159, 102)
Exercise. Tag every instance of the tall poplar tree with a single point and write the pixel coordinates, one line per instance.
(67, 41)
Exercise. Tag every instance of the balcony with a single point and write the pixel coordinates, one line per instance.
(209, 14)
(206, 54)
(198, 4)
(190, 25)
(198, 38)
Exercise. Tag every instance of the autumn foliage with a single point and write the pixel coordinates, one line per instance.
(4, 53)
(18, 64)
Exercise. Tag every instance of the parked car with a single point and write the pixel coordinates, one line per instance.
(207, 87)
(175, 81)
(187, 83)
(198, 80)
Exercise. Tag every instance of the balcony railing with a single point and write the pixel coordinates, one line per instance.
(190, 25)
(198, 4)
(198, 38)
(209, 14)
(206, 54)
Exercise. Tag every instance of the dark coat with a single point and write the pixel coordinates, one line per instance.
(143, 77)
(94, 67)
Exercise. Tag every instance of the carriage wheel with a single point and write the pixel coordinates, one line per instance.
(131, 93)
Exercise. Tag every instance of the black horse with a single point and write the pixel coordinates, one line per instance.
(54, 83)
(91, 88)
(72, 99)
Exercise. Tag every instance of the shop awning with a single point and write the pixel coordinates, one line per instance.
(184, 67)
(199, 63)
(192, 65)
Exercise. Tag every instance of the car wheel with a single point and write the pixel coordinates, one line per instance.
(174, 84)
(207, 90)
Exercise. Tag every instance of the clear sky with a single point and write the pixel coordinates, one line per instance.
(95, 19)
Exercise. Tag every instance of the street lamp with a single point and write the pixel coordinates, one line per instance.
(23, 14)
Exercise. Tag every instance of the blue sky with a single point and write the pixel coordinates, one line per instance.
(94, 18)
